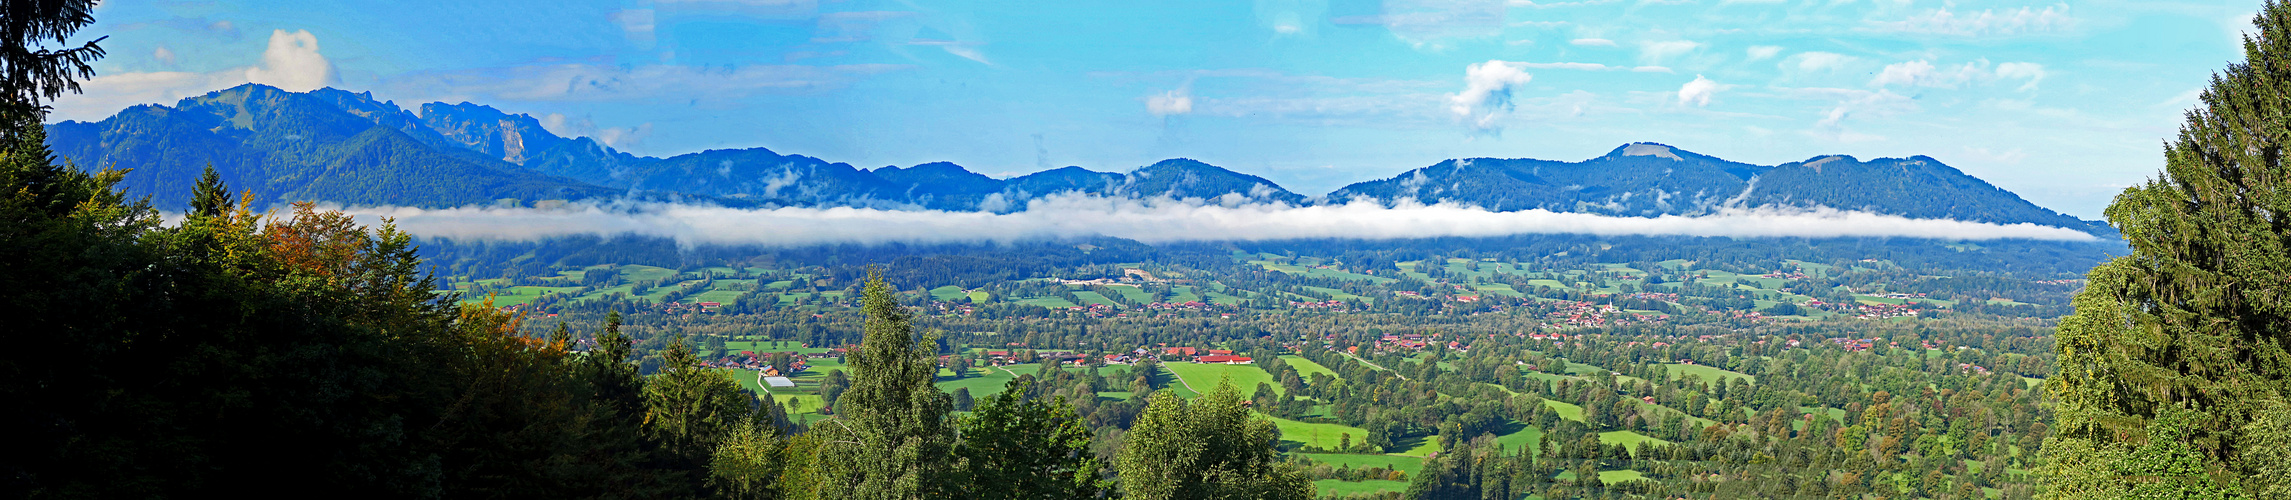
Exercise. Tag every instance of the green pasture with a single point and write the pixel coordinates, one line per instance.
(1203, 377)
(1133, 294)
(1337, 487)
(1093, 298)
(1401, 463)
(1306, 368)
(1709, 374)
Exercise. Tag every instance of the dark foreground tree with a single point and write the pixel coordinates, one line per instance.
(891, 437)
(1025, 444)
(1209, 448)
(2174, 371)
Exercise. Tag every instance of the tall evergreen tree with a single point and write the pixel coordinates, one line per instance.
(691, 408)
(2174, 370)
(891, 437)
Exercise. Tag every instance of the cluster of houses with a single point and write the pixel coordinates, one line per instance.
(1164, 353)
(753, 360)
(1590, 314)
(952, 308)
(1855, 344)
(1792, 274)
(1191, 305)
(1199, 355)
(1332, 305)
(1662, 296)
(1882, 311)
(684, 307)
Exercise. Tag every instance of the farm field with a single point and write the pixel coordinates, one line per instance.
(1326, 436)
(1093, 298)
(1402, 463)
(1340, 487)
(1708, 374)
(1306, 367)
(1203, 377)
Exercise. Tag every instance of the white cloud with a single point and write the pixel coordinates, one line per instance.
(1174, 102)
(1698, 92)
(1818, 61)
(1591, 67)
(616, 137)
(597, 82)
(1656, 52)
(1547, 5)
(292, 63)
(637, 25)
(1764, 52)
(1851, 103)
(164, 56)
(1921, 73)
(1156, 221)
(1434, 24)
(1592, 42)
(2032, 72)
(1487, 94)
(1984, 23)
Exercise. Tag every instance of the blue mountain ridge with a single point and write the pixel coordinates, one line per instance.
(347, 147)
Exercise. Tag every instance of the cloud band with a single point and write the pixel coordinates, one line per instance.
(1154, 221)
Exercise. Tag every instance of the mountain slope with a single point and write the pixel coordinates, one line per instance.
(1645, 179)
(288, 146)
(345, 147)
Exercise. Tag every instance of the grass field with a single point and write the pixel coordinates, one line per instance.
(1306, 367)
(1321, 273)
(1709, 374)
(1330, 487)
(982, 382)
(1316, 434)
(1527, 436)
(1566, 410)
(1093, 298)
(1204, 377)
(949, 293)
(1132, 294)
(1335, 294)
(1398, 462)
(1183, 294)
(1618, 476)
(774, 346)
(1629, 439)
(1053, 302)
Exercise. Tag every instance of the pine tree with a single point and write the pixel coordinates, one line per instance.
(690, 408)
(2174, 371)
(891, 437)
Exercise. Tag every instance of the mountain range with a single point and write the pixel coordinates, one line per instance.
(347, 147)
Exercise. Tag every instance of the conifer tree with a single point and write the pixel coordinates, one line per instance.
(2174, 373)
(891, 437)
(690, 408)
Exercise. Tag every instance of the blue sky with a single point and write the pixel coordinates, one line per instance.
(2064, 102)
